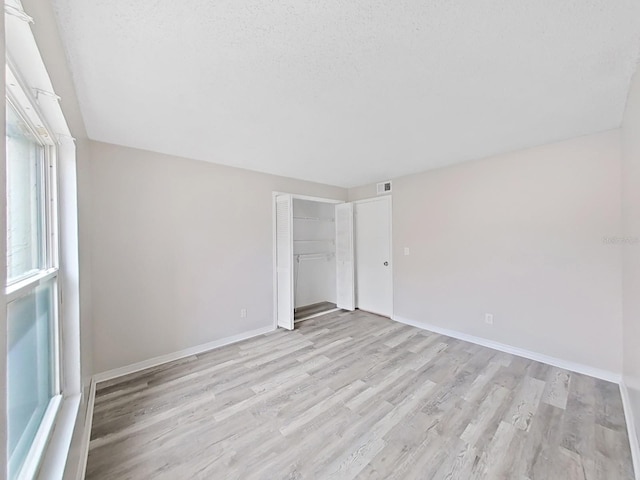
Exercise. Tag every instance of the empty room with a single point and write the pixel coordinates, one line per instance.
(265, 240)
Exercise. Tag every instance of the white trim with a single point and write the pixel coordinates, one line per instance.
(19, 93)
(520, 352)
(18, 13)
(57, 453)
(24, 57)
(86, 432)
(27, 80)
(284, 288)
(392, 257)
(37, 451)
(345, 257)
(24, 287)
(309, 198)
(631, 428)
(274, 254)
(372, 199)
(170, 357)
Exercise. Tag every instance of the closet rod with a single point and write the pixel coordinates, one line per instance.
(317, 241)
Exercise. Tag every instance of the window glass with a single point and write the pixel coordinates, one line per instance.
(31, 372)
(32, 332)
(25, 195)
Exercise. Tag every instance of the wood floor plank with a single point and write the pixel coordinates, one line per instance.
(354, 395)
(557, 388)
(525, 404)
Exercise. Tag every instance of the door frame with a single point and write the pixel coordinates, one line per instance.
(389, 199)
(274, 266)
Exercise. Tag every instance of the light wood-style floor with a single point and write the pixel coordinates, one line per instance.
(354, 395)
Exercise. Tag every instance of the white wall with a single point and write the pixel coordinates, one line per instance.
(631, 249)
(315, 277)
(519, 236)
(179, 247)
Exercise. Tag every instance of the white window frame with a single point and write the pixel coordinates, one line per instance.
(28, 111)
(25, 51)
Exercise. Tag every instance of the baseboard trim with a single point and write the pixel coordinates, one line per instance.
(171, 357)
(631, 428)
(520, 352)
(86, 433)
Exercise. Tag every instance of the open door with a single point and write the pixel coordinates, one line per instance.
(345, 284)
(284, 260)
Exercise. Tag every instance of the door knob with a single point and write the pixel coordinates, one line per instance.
(386, 264)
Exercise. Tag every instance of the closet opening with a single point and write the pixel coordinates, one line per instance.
(314, 254)
(313, 257)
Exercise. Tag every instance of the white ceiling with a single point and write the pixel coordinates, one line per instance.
(348, 92)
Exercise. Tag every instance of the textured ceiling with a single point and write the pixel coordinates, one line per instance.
(348, 92)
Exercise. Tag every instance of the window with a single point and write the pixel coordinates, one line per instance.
(33, 363)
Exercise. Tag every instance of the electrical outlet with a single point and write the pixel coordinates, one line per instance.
(488, 318)
(243, 313)
(406, 250)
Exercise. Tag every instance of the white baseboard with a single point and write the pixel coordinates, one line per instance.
(170, 357)
(86, 433)
(631, 428)
(520, 352)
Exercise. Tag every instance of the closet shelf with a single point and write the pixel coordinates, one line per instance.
(317, 219)
(314, 256)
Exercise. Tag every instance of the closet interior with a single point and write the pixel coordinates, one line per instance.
(314, 259)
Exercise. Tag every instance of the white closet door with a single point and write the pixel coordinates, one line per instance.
(345, 288)
(374, 277)
(284, 260)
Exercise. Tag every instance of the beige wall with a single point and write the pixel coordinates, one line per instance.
(631, 258)
(179, 247)
(519, 236)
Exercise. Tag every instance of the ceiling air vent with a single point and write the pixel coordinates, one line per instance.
(384, 187)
